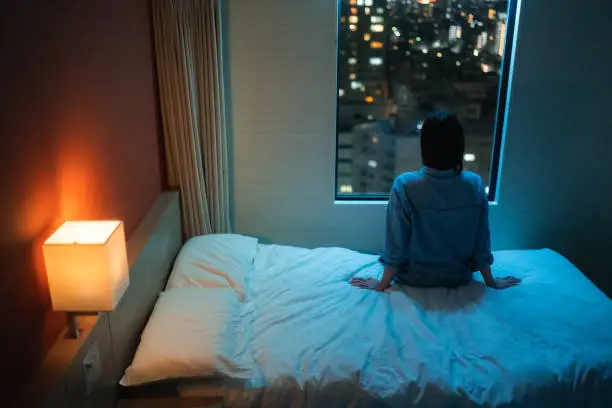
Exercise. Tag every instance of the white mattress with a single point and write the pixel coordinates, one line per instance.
(318, 342)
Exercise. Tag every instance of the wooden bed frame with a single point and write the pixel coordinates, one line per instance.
(113, 336)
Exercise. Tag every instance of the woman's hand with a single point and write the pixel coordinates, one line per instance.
(368, 283)
(504, 283)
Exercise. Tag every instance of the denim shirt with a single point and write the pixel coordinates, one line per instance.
(437, 230)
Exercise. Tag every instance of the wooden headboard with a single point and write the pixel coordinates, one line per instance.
(110, 339)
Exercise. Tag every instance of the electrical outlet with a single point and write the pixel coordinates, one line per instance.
(92, 367)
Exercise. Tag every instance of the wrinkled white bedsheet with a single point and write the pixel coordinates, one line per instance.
(318, 342)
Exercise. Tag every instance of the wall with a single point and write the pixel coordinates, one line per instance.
(79, 140)
(555, 185)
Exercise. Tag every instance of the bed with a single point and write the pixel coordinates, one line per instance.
(274, 326)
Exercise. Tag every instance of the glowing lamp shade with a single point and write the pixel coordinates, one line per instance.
(87, 267)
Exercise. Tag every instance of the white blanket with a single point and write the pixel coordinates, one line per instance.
(318, 342)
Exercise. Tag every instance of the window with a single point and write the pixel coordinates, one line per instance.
(417, 57)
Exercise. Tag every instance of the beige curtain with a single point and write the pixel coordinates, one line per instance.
(188, 52)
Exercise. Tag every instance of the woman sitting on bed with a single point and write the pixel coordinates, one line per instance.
(437, 231)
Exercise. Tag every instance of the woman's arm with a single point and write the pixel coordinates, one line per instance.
(397, 234)
(497, 283)
(483, 258)
(387, 278)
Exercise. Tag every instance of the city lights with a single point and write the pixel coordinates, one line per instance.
(399, 60)
(481, 41)
(500, 38)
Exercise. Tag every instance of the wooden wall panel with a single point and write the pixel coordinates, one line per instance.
(148, 276)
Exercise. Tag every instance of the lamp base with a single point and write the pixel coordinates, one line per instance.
(73, 327)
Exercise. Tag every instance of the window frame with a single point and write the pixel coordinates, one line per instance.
(503, 96)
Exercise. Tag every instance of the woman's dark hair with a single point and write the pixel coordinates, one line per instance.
(442, 142)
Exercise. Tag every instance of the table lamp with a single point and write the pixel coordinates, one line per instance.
(87, 268)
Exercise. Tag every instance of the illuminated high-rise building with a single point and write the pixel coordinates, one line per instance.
(454, 33)
(481, 40)
(364, 31)
(500, 35)
(500, 38)
(428, 10)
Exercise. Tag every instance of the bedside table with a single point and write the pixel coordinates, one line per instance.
(188, 402)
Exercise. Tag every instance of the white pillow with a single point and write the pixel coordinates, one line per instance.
(214, 260)
(191, 333)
